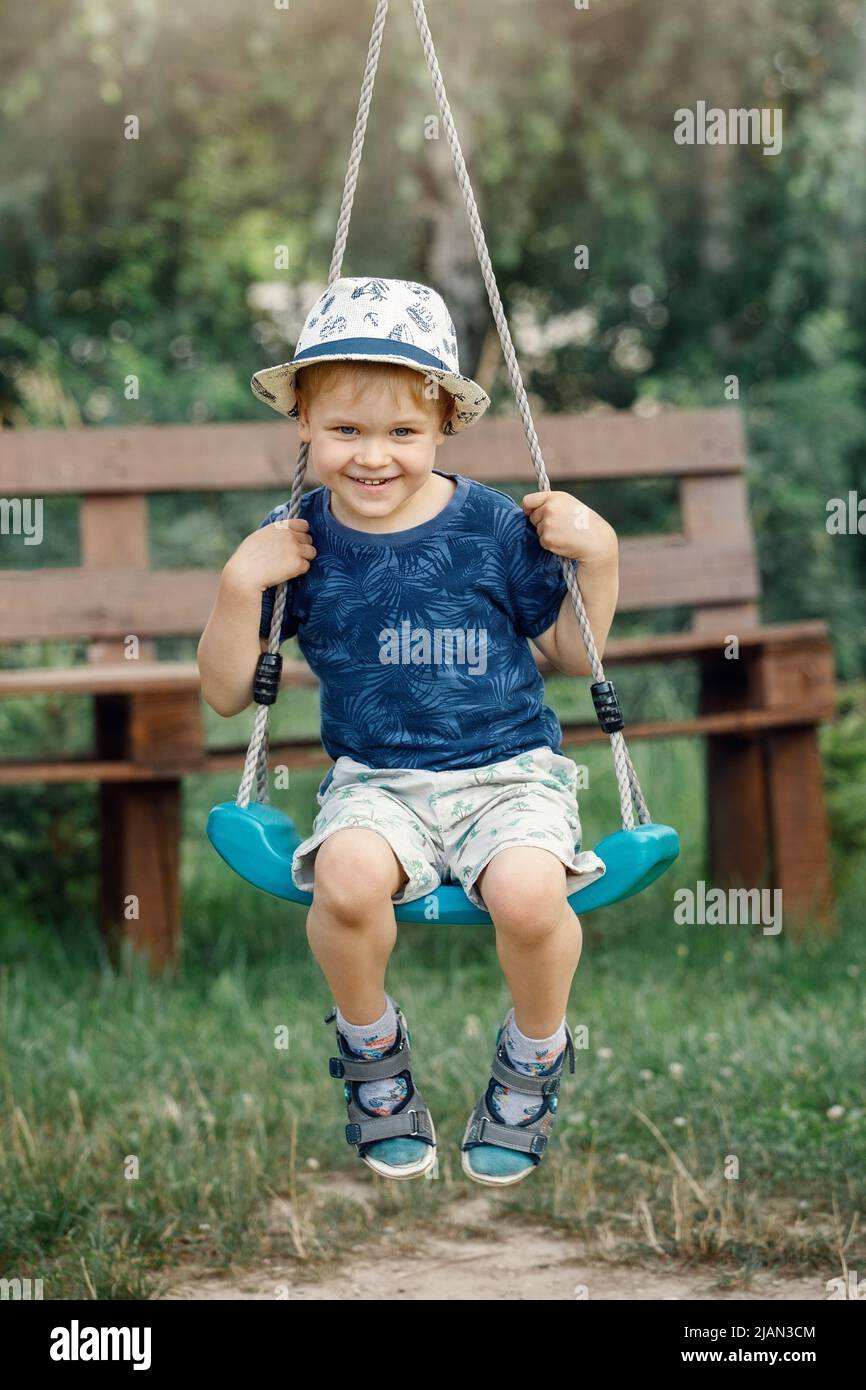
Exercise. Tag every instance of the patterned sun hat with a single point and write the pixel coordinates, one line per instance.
(364, 320)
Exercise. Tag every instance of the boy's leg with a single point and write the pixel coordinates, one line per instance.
(352, 929)
(538, 936)
(351, 926)
(538, 942)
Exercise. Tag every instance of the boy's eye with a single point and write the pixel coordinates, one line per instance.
(406, 428)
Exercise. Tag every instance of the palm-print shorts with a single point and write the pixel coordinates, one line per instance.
(445, 827)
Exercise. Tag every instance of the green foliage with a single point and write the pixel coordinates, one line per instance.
(843, 747)
(805, 449)
(50, 860)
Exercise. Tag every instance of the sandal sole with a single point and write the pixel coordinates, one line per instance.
(405, 1170)
(487, 1179)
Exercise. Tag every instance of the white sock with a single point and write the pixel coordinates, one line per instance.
(536, 1057)
(374, 1040)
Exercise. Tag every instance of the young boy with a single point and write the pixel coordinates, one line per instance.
(413, 593)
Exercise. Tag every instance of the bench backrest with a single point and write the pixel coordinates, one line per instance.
(709, 566)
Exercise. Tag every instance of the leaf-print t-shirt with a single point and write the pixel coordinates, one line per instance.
(418, 637)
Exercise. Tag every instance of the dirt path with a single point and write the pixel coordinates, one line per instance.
(473, 1256)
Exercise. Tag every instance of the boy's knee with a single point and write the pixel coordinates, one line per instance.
(355, 870)
(524, 892)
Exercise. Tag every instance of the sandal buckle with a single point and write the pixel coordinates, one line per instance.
(539, 1144)
(336, 1067)
(353, 1133)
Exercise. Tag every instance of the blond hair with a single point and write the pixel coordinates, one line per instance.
(320, 376)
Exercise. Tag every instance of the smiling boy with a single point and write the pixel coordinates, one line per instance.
(441, 772)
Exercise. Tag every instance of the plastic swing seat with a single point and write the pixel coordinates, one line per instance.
(258, 842)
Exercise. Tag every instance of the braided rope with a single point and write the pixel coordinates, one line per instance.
(256, 763)
(630, 794)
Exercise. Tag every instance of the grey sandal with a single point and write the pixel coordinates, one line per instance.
(400, 1145)
(486, 1136)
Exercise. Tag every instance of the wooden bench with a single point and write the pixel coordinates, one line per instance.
(758, 713)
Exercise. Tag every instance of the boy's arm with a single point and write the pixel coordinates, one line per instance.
(230, 646)
(562, 643)
(569, 528)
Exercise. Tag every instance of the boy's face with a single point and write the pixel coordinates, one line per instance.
(358, 442)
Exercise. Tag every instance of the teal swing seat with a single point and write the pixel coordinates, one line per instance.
(257, 840)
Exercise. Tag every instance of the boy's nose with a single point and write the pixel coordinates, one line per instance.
(373, 455)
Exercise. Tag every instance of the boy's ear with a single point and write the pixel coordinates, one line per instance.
(303, 422)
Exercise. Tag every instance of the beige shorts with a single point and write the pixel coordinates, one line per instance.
(445, 827)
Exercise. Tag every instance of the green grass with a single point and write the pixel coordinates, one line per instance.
(148, 1123)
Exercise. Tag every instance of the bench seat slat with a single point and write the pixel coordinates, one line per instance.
(309, 753)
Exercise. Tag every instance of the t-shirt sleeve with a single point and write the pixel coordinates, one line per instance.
(290, 619)
(536, 584)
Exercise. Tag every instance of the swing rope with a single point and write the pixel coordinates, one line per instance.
(256, 766)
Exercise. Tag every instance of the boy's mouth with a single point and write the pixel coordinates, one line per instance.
(373, 484)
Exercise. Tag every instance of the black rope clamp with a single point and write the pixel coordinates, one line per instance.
(266, 683)
(607, 709)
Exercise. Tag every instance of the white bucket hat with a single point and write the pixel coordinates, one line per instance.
(363, 320)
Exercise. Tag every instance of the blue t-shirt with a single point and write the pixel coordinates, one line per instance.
(418, 637)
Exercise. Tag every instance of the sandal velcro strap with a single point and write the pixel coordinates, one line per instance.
(405, 1123)
(523, 1081)
(487, 1131)
(366, 1068)
(526, 1081)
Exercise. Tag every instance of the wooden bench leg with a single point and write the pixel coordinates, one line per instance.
(801, 852)
(140, 868)
(739, 830)
(767, 822)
